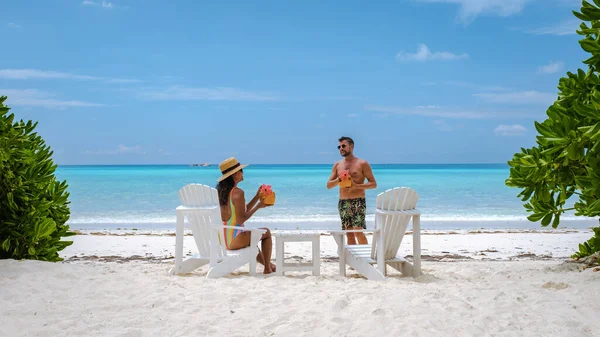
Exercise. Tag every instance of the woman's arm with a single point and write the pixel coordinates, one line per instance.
(242, 213)
(253, 201)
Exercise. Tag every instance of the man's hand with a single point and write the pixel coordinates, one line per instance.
(354, 187)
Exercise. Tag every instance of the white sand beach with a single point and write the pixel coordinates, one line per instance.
(474, 284)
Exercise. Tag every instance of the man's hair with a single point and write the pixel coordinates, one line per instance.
(343, 138)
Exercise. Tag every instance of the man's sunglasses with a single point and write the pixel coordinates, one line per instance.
(343, 146)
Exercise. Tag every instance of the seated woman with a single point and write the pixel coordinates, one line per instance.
(235, 212)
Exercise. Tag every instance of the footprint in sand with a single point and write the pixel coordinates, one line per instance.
(557, 286)
(340, 304)
(337, 320)
(378, 312)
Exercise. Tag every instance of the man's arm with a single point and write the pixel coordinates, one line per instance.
(368, 173)
(334, 180)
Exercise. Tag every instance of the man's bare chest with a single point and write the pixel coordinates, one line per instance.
(354, 170)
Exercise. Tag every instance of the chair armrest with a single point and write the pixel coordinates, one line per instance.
(376, 230)
(261, 231)
(197, 208)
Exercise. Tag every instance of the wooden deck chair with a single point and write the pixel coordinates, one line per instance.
(200, 205)
(395, 208)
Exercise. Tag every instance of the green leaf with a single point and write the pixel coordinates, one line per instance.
(589, 46)
(535, 217)
(6, 244)
(591, 12)
(556, 221)
(573, 151)
(546, 220)
(581, 16)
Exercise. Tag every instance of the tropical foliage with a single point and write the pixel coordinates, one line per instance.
(33, 204)
(565, 163)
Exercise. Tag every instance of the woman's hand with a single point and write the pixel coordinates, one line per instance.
(261, 204)
(258, 192)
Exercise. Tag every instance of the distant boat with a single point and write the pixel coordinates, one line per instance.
(203, 164)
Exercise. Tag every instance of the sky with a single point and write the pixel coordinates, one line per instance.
(278, 82)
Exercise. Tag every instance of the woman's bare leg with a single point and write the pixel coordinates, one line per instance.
(242, 240)
(264, 254)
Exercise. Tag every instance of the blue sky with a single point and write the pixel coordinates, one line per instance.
(165, 82)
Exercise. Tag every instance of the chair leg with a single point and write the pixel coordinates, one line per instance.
(279, 244)
(316, 256)
(178, 244)
(416, 246)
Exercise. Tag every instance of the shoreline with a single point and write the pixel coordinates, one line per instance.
(325, 232)
(436, 246)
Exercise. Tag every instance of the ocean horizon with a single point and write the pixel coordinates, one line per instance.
(144, 197)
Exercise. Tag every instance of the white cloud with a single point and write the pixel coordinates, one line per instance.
(120, 149)
(33, 97)
(470, 9)
(452, 113)
(510, 130)
(103, 4)
(520, 97)
(352, 115)
(424, 54)
(127, 149)
(442, 126)
(567, 27)
(27, 74)
(181, 93)
(551, 68)
(13, 25)
(465, 85)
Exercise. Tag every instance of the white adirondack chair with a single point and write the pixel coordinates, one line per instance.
(200, 205)
(395, 209)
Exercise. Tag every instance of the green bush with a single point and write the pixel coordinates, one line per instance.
(566, 161)
(590, 246)
(33, 204)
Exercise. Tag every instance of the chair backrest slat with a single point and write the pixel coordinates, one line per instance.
(394, 221)
(199, 221)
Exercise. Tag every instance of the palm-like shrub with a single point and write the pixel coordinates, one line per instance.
(566, 161)
(33, 204)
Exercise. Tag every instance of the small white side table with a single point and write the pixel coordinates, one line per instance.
(282, 237)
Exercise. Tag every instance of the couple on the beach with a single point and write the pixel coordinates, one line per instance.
(352, 204)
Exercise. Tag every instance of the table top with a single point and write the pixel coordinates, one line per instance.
(296, 233)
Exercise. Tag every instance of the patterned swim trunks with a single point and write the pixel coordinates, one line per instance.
(353, 212)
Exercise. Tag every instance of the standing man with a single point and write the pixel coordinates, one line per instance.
(352, 205)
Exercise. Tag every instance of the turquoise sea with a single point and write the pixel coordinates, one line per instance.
(145, 197)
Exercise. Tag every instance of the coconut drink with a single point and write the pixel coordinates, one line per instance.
(267, 195)
(345, 179)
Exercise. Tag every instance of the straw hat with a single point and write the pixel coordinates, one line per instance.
(230, 166)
